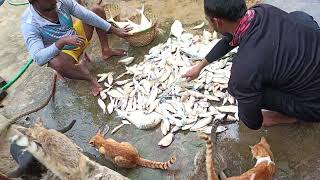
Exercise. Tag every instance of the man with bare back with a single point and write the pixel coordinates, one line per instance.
(53, 38)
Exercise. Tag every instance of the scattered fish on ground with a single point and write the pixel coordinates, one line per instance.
(156, 94)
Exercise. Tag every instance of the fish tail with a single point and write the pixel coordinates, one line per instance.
(141, 10)
(157, 165)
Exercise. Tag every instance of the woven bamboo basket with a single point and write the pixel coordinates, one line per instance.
(145, 37)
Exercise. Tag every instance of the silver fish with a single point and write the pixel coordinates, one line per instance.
(117, 128)
(201, 123)
(126, 61)
(110, 78)
(165, 126)
(198, 26)
(120, 83)
(103, 77)
(166, 140)
(228, 109)
(103, 95)
(177, 29)
(102, 105)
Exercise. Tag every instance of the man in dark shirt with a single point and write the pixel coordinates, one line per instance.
(277, 67)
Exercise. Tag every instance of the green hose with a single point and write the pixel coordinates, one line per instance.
(18, 75)
(17, 3)
(30, 59)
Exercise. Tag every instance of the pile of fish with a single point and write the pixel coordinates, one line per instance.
(144, 22)
(157, 94)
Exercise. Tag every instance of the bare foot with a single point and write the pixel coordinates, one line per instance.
(95, 88)
(108, 53)
(271, 118)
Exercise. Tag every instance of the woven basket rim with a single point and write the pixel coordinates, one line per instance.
(146, 30)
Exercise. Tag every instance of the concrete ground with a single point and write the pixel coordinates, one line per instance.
(295, 147)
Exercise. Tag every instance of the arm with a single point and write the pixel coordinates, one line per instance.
(33, 40)
(220, 49)
(87, 16)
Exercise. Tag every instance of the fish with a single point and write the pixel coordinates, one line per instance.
(198, 26)
(176, 29)
(103, 77)
(125, 122)
(175, 129)
(201, 123)
(144, 22)
(121, 75)
(119, 24)
(103, 95)
(155, 93)
(142, 120)
(165, 126)
(126, 61)
(102, 105)
(120, 83)
(166, 140)
(221, 129)
(188, 126)
(117, 128)
(115, 93)
(208, 129)
(110, 105)
(110, 78)
(228, 109)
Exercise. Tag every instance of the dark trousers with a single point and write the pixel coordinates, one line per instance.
(275, 100)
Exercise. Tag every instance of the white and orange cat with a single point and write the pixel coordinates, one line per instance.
(124, 154)
(264, 169)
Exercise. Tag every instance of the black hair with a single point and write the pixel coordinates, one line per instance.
(231, 10)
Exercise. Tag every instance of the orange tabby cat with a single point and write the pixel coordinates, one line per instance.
(124, 154)
(264, 169)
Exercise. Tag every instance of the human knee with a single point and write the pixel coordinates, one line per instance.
(57, 65)
(98, 10)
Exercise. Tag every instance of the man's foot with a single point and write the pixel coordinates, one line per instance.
(95, 88)
(271, 118)
(108, 53)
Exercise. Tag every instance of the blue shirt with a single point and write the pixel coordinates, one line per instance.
(40, 34)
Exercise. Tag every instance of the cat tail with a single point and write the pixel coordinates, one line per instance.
(210, 164)
(156, 165)
(67, 128)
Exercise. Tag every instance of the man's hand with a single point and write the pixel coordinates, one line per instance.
(122, 32)
(195, 71)
(71, 40)
(192, 73)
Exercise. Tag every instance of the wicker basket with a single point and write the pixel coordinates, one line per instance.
(145, 37)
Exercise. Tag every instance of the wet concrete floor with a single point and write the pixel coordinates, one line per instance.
(295, 147)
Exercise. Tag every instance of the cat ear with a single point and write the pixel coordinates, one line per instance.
(250, 147)
(105, 131)
(264, 142)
